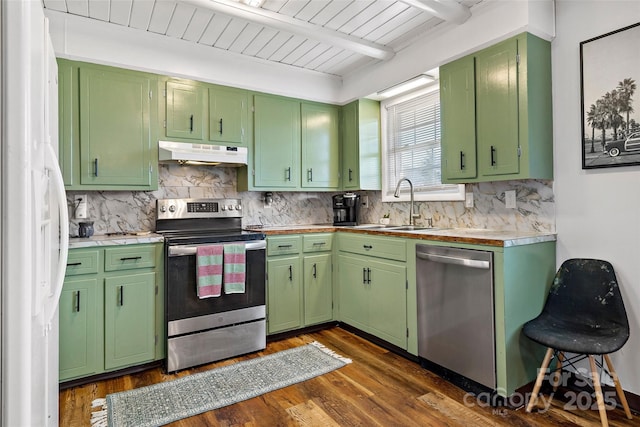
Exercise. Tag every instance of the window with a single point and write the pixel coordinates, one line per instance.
(411, 148)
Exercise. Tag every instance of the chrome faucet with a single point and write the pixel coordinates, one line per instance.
(412, 214)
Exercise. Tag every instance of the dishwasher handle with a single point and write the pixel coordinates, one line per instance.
(485, 265)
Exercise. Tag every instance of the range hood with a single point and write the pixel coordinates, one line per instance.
(201, 154)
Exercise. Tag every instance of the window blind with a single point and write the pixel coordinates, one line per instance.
(413, 144)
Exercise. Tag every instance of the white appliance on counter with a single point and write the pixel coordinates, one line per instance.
(34, 227)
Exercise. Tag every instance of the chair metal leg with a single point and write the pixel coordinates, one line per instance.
(539, 379)
(598, 390)
(557, 376)
(619, 390)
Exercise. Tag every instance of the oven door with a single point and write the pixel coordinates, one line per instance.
(182, 301)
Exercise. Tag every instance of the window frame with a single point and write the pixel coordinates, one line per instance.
(456, 191)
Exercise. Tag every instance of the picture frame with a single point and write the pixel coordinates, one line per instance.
(609, 79)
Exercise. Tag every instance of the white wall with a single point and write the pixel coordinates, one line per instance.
(597, 211)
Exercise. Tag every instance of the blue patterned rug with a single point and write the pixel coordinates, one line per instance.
(162, 403)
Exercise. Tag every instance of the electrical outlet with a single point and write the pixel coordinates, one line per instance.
(468, 200)
(80, 206)
(510, 199)
(364, 201)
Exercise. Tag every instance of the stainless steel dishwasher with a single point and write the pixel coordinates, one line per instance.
(455, 312)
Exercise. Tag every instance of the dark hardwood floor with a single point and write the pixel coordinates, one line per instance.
(379, 388)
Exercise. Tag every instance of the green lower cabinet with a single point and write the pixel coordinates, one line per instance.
(79, 328)
(373, 296)
(111, 315)
(318, 295)
(129, 329)
(284, 289)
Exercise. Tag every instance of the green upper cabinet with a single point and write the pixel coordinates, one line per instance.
(107, 128)
(320, 146)
(185, 110)
(277, 142)
(361, 145)
(513, 113)
(458, 115)
(228, 115)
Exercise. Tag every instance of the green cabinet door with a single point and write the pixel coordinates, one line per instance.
(115, 130)
(388, 301)
(129, 329)
(318, 294)
(185, 110)
(458, 118)
(79, 329)
(354, 302)
(284, 293)
(228, 115)
(497, 109)
(277, 142)
(361, 145)
(320, 147)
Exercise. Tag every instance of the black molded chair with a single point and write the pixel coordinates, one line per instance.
(584, 314)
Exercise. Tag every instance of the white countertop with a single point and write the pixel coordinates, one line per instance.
(116, 239)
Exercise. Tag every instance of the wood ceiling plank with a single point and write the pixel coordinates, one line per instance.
(197, 25)
(300, 51)
(141, 11)
(182, 16)
(78, 7)
(324, 57)
(379, 20)
(373, 10)
(59, 5)
(310, 10)
(230, 34)
(216, 26)
(245, 38)
(274, 5)
(291, 8)
(99, 9)
(161, 16)
(335, 62)
(330, 11)
(349, 13)
(398, 25)
(120, 12)
(311, 55)
(286, 48)
(260, 41)
(273, 45)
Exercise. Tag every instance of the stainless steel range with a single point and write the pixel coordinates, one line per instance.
(205, 330)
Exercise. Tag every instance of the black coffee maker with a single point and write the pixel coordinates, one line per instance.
(346, 209)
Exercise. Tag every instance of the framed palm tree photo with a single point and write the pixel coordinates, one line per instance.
(609, 72)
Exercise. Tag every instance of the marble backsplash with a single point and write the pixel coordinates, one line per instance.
(126, 211)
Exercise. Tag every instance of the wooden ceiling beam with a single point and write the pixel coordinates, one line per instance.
(447, 10)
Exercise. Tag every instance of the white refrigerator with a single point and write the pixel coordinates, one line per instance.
(34, 223)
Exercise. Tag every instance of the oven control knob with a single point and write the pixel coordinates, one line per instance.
(230, 207)
(172, 208)
(163, 208)
(238, 207)
(223, 207)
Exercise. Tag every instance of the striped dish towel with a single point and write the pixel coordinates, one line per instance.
(209, 270)
(234, 268)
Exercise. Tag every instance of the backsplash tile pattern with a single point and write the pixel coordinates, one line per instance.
(125, 211)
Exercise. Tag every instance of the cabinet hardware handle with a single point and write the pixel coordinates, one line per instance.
(287, 176)
(368, 276)
(77, 301)
(314, 271)
(130, 258)
(319, 243)
(310, 175)
(191, 124)
(284, 246)
(493, 153)
(367, 247)
(350, 175)
(95, 166)
(290, 273)
(121, 296)
(364, 276)
(73, 264)
(220, 126)
(461, 160)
